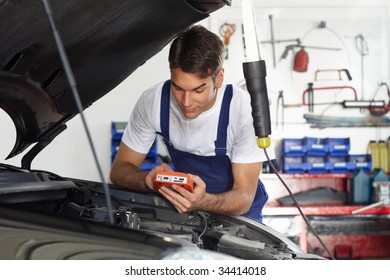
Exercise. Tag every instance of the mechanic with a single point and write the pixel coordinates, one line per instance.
(207, 128)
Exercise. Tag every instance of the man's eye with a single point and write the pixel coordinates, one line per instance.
(178, 89)
(199, 90)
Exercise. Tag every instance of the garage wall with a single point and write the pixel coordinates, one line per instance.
(70, 155)
(345, 23)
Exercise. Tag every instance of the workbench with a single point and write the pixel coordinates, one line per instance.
(365, 235)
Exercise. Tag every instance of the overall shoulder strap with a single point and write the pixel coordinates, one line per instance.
(221, 142)
(164, 110)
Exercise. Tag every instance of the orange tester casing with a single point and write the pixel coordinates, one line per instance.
(164, 178)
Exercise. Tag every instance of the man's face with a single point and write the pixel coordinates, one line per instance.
(193, 94)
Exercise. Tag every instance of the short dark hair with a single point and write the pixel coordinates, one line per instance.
(197, 51)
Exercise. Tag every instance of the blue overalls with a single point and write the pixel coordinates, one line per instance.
(215, 171)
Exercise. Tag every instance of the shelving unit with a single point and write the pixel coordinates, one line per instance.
(117, 129)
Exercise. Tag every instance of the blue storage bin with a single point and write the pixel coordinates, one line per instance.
(338, 146)
(362, 161)
(117, 129)
(315, 146)
(337, 164)
(153, 150)
(293, 164)
(315, 164)
(114, 151)
(293, 147)
(148, 164)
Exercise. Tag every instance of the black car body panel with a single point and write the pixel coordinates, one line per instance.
(45, 216)
(105, 42)
(44, 237)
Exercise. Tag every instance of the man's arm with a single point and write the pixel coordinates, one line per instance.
(237, 201)
(126, 170)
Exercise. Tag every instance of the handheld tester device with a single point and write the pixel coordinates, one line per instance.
(163, 178)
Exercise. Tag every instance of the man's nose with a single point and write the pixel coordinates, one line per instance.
(186, 101)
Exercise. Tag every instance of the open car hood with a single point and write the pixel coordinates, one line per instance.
(105, 42)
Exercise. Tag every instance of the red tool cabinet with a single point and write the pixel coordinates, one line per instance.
(365, 235)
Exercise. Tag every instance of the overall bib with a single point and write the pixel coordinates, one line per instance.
(215, 171)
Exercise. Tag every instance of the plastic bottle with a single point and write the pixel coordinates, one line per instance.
(374, 151)
(383, 156)
(359, 189)
(378, 175)
(388, 149)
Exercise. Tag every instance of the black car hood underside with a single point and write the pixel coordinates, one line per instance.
(105, 42)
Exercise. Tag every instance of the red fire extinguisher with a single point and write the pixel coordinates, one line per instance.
(301, 61)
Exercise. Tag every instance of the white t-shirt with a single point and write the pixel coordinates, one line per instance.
(196, 136)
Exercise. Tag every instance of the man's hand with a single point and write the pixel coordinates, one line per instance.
(235, 201)
(183, 200)
(150, 176)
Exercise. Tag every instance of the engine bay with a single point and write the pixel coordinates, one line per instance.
(79, 199)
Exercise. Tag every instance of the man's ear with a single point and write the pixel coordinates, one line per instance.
(219, 78)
